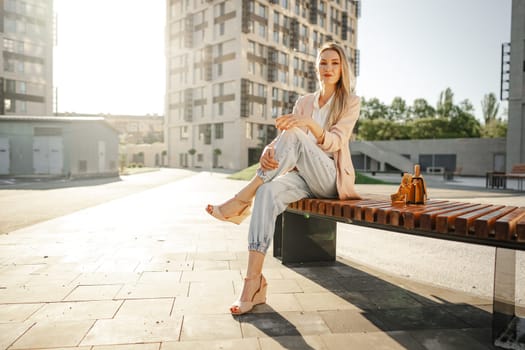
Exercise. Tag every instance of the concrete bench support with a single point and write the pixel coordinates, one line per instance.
(302, 238)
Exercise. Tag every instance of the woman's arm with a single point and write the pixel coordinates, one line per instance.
(339, 133)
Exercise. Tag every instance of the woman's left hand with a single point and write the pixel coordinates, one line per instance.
(289, 121)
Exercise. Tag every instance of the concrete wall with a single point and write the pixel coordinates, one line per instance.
(473, 156)
(152, 154)
(92, 142)
(516, 128)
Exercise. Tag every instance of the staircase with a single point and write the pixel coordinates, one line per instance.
(382, 156)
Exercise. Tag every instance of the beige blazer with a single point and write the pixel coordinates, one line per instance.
(337, 140)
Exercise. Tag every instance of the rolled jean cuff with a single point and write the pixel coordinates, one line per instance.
(261, 174)
(260, 247)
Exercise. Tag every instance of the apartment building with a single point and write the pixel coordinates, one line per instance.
(516, 128)
(233, 66)
(27, 61)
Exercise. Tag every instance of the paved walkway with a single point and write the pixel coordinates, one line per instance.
(147, 269)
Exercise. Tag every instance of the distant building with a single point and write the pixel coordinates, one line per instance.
(26, 79)
(516, 127)
(141, 138)
(57, 146)
(233, 66)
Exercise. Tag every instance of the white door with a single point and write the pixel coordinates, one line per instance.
(56, 155)
(40, 155)
(4, 156)
(48, 155)
(101, 156)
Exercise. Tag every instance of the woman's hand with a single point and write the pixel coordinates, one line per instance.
(267, 160)
(288, 121)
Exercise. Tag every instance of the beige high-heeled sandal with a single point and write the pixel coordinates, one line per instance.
(215, 211)
(240, 307)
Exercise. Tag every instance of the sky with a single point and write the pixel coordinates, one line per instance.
(110, 58)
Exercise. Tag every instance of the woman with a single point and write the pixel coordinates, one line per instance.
(310, 158)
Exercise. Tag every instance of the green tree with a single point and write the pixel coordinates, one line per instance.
(373, 109)
(445, 103)
(489, 108)
(192, 152)
(398, 109)
(421, 109)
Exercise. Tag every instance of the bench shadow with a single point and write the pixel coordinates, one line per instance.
(411, 316)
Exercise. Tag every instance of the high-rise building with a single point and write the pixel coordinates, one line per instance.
(27, 57)
(516, 127)
(234, 65)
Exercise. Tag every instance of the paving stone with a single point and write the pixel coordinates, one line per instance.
(392, 299)
(204, 276)
(144, 291)
(53, 334)
(372, 340)
(308, 342)
(16, 313)
(9, 332)
(211, 304)
(94, 292)
(362, 283)
(446, 339)
(282, 324)
(151, 346)
(418, 318)
(227, 344)
(276, 302)
(136, 330)
(215, 287)
(90, 278)
(159, 277)
(323, 301)
(77, 311)
(146, 308)
(351, 321)
(34, 294)
(210, 327)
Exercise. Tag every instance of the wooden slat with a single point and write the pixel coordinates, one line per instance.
(359, 208)
(445, 221)
(465, 222)
(411, 218)
(520, 230)
(427, 220)
(397, 215)
(484, 224)
(383, 215)
(506, 225)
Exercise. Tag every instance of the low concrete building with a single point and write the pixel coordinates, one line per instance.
(149, 155)
(57, 146)
(464, 156)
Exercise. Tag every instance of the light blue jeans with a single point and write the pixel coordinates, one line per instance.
(315, 176)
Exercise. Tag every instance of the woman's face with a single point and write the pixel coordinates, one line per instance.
(329, 67)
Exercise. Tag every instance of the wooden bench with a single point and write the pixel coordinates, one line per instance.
(499, 179)
(307, 232)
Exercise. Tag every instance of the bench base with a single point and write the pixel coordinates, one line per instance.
(301, 238)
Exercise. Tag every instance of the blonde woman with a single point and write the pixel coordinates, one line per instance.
(310, 158)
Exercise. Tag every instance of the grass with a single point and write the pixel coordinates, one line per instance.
(248, 173)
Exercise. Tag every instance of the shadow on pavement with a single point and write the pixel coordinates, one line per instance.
(406, 317)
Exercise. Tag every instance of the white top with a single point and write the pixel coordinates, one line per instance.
(320, 114)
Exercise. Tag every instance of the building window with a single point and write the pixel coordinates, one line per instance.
(183, 132)
(249, 131)
(200, 157)
(9, 105)
(219, 130)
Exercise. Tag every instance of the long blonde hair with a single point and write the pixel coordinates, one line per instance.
(344, 87)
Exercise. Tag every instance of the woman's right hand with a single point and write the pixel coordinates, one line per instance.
(267, 160)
